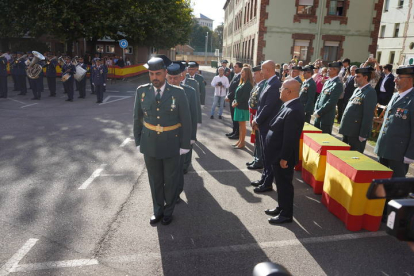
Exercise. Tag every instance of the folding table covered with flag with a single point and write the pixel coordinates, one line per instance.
(315, 146)
(307, 128)
(347, 179)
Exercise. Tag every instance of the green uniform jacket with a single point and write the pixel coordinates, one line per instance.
(194, 84)
(326, 103)
(242, 95)
(307, 95)
(173, 109)
(359, 113)
(202, 86)
(298, 78)
(396, 138)
(191, 98)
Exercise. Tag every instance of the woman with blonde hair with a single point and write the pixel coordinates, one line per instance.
(241, 106)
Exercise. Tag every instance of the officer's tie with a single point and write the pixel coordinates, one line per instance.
(264, 86)
(395, 100)
(158, 96)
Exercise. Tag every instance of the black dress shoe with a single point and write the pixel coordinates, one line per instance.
(255, 167)
(220, 117)
(178, 200)
(256, 183)
(249, 163)
(69, 100)
(279, 220)
(234, 137)
(273, 212)
(262, 188)
(230, 134)
(166, 220)
(154, 219)
(211, 117)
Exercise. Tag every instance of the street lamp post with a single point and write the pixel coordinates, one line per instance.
(205, 52)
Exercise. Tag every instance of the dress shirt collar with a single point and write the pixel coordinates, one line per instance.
(403, 94)
(285, 104)
(162, 89)
(270, 79)
(364, 86)
(332, 79)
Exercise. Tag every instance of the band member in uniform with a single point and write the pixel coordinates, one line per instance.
(356, 123)
(325, 108)
(51, 64)
(98, 79)
(21, 73)
(192, 73)
(174, 77)
(13, 72)
(395, 144)
(82, 83)
(90, 75)
(162, 131)
(69, 68)
(308, 92)
(3, 75)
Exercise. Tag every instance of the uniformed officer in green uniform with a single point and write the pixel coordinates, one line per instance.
(174, 77)
(162, 131)
(308, 92)
(395, 145)
(192, 73)
(356, 123)
(325, 107)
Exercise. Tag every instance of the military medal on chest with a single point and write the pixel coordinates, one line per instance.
(142, 96)
(173, 104)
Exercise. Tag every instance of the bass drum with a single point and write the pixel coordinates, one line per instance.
(80, 73)
(65, 77)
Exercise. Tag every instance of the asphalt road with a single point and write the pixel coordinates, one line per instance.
(75, 200)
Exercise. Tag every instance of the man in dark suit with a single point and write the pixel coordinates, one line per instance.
(385, 86)
(230, 98)
(282, 143)
(268, 106)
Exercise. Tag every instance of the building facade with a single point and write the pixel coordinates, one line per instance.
(257, 30)
(396, 35)
(204, 21)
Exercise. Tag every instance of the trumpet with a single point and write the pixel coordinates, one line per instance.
(61, 61)
(75, 61)
(22, 57)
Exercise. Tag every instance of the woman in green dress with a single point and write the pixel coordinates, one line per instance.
(241, 106)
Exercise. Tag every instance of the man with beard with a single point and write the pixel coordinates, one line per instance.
(162, 131)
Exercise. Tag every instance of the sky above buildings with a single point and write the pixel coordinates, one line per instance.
(211, 8)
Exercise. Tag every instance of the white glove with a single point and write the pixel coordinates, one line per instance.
(408, 160)
(104, 84)
(184, 151)
(361, 139)
(138, 148)
(192, 142)
(316, 114)
(93, 84)
(198, 125)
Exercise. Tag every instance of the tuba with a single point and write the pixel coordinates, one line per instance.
(34, 69)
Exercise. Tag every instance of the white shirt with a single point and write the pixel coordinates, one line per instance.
(382, 89)
(332, 79)
(220, 90)
(364, 86)
(162, 89)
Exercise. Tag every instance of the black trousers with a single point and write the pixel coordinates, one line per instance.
(51, 84)
(41, 84)
(15, 82)
(99, 92)
(92, 88)
(267, 174)
(285, 190)
(400, 169)
(68, 86)
(355, 143)
(324, 128)
(235, 123)
(3, 86)
(82, 88)
(187, 158)
(36, 88)
(308, 117)
(22, 84)
(163, 175)
(258, 152)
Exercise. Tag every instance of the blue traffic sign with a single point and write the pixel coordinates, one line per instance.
(123, 43)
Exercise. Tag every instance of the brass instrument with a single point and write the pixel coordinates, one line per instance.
(61, 61)
(34, 69)
(22, 57)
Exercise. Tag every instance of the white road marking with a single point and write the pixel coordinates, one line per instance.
(131, 91)
(313, 199)
(126, 141)
(13, 262)
(16, 101)
(94, 175)
(28, 105)
(317, 224)
(54, 265)
(204, 250)
(106, 100)
(116, 174)
(222, 171)
(301, 226)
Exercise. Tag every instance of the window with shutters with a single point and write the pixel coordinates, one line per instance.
(306, 9)
(337, 10)
(302, 46)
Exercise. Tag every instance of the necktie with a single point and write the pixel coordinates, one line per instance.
(264, 86)
(395, 100)
(158, 96)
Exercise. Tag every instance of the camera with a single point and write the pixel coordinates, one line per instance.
(400, 210)
(219, 83)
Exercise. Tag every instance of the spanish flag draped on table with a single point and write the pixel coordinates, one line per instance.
(307, 128)
(347, 178)
(315, 146)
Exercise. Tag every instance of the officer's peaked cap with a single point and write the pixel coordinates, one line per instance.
(175, 68)
(408, 70)
(192, 64)
(362, 70)
(335, 64)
